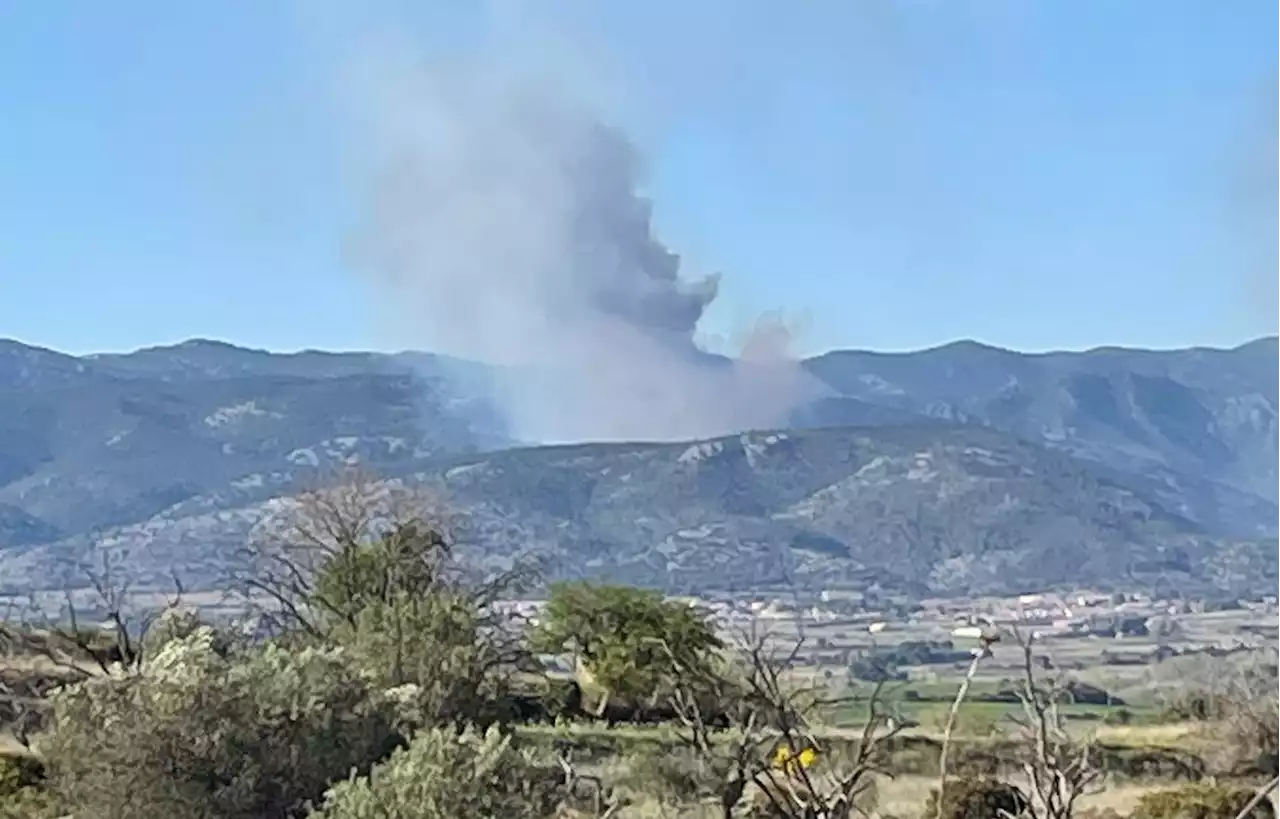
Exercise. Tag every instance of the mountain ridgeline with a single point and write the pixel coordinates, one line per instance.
(948, 470)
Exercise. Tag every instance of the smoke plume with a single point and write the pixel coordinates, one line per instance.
(505, 222)
(1254, 213)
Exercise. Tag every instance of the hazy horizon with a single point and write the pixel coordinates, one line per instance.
(414, 351)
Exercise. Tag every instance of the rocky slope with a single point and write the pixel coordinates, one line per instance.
(1206, 417)
(968, 465)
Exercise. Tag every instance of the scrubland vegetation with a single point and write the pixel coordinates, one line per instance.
(384, 681)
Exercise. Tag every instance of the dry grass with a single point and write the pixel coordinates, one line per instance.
(10, 746)
(1162, 735)
(31, 662)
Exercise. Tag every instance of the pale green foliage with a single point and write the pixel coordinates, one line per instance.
(196, 735)
(442, 644)
(28, 803)
(445, 774)
(407, 561)
(173, 624)
(21, 794)
(406, 616)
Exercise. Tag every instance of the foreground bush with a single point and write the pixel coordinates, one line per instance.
(446, 774)
(19, 771)
(1202, 800)
(22, 793)
(196, 735)
(979, 798)
(438, 644)
(29, 803)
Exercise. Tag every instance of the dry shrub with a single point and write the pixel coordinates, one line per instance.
(1243, 740)
(673, 775)
(1240, 730)
(980, 798)
(29, 803)
(1202, 800)
(1237, 710)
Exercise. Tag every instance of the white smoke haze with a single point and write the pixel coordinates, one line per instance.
(1254, 214)
(1264, 172)
(505, 224)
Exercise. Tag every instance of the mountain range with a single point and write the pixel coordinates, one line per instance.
(959, 468)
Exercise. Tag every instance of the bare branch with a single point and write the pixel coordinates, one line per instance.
(1061, 769)
(961, 694)
(753, 727)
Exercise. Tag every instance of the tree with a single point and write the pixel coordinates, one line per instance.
(1059, 767)
(629, 641)
(328, 554)
(369, 566)
(71, 647)
(119, 637)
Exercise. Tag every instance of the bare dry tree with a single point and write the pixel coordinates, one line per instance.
(279, 570)
(115, 638)
(39, 652)
(754, 728)
(22, 708)
(361, 548)
(1234, 700)
(1260, 794)
(1059, 768)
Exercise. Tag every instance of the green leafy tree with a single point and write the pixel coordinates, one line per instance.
(630, 641)
(368, 566)
(331, 553)
(459, 656)
(408, 560)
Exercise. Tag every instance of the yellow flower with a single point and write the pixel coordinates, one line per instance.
(791, 762)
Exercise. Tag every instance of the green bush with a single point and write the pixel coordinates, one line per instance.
(196, 735)
(22, 795)
(1201, 800)
(29, 803)
(979, 798)
(19, 771)
(436, 643)
(445, 774)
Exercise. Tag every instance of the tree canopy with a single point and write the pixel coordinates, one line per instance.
(631, 641)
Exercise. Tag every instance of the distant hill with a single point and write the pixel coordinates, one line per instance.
(959, 465)
(1203, 415)
(102, 441)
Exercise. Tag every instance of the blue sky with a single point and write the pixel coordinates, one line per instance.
(1054, 174)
